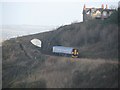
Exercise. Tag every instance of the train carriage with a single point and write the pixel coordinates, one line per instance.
(65, 51)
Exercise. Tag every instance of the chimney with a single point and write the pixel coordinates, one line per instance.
(84, 8)
(102, 6)
(106, 6)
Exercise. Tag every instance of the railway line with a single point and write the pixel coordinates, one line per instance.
(98, 60)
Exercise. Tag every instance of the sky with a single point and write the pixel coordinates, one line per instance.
(46, 12)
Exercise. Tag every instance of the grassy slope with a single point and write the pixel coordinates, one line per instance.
(27, 66)
(59, 72)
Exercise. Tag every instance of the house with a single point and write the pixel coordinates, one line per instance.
(96, 13)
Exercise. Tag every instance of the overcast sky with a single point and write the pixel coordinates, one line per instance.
(46, 12)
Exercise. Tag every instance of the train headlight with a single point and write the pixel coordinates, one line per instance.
(77, 53)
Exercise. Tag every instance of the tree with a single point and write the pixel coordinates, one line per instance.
(113, 7)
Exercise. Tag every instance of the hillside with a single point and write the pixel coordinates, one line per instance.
(25, 65)
(94, 39)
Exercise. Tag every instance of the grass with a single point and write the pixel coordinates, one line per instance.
(63, 72)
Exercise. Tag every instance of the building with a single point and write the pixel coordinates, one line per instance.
(96, 13)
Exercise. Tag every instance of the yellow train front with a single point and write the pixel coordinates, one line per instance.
(75, 53)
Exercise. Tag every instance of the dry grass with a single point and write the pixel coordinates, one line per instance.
(62, 72)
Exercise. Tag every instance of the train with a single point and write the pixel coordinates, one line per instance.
(67, 51)
(59, 50)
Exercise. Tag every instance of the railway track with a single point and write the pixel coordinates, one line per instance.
(99, 60)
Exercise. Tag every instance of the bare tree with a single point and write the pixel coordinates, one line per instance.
(113, 7)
